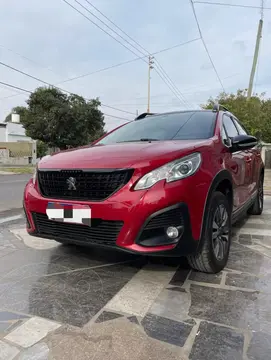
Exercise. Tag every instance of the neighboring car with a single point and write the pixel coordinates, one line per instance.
(167, 184)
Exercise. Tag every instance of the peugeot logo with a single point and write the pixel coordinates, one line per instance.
(71, 181)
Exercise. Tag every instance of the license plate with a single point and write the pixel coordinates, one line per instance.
(69, 213)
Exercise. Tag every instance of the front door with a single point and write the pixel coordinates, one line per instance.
(252, 159)
(236, 163)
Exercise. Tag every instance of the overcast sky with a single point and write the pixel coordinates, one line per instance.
(62, 44)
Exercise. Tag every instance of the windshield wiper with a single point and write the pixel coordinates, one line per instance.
(148, 139)
(143, 139)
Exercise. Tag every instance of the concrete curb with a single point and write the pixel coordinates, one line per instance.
(8, 173)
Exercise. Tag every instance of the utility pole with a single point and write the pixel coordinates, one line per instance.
(150, 67)
(256, 53)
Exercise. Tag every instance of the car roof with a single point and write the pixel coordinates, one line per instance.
(145, 115)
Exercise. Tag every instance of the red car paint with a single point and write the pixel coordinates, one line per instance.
(132, 206)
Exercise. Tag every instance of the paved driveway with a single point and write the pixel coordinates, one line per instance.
(11, 190)
(65, 303)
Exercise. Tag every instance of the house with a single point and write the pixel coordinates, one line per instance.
(15, 147)
(13, 131)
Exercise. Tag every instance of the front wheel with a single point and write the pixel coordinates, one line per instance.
(216, 237)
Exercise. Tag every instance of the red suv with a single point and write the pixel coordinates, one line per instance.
(167, 184)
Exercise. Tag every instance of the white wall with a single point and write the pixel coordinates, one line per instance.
(16, 132)
(2, 134)
(15, 138)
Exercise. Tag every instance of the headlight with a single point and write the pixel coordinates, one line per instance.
(175, 170)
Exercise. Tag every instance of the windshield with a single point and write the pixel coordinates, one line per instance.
(189, 125)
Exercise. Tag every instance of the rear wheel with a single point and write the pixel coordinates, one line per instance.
(257, 207)
(216, 237)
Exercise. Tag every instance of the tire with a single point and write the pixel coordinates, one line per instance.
(214, 252)
(257, 207)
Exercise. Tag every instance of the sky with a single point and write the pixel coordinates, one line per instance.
(53, 42)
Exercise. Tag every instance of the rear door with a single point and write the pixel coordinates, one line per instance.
(235, 163)
(252, 157)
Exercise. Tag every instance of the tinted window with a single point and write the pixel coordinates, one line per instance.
(230, 127)
(175, 126)
(224, 135)
(240, 129)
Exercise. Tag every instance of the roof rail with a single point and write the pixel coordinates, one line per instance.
(143, 115)
(218, 107)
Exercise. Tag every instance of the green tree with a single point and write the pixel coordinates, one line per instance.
(20, 110)
(61, 120)
(42, 149)
(254, 113)
(97, 135)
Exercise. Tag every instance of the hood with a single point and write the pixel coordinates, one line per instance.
(122, 155)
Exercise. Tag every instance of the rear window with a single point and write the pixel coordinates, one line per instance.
(190, 125)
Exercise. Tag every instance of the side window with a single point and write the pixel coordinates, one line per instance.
(226, 140)
(224, 136)
(229, 127)
(240, 129)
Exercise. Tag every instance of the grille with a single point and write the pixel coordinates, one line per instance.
(168, 218)
(101, 231)
(90, 185)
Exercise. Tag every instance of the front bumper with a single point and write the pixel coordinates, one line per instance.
(136, 225)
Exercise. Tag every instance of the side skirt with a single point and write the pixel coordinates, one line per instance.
(242, 211)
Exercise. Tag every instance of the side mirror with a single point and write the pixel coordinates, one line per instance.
(242, 142)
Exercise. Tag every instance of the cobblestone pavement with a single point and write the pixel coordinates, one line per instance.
(64, 303)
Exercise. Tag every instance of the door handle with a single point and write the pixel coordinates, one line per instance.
(248, 160)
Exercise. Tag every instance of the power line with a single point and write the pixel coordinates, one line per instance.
(164, 74)
(111, 107)
(15, 87)
(128, 61)
(111, 35)
(204, 44)
(172, 88)
(143, 58)
(46, 83)
(27, 58)
(231, 5)
(161, 76)
(172, 83)
(187, 91)
(116, 65)
(5, 88)
(24, 73)
(93, 22)
(117, 117)
(113, 23)
(10, 96)
(31, 92)
(90, 12)
(167, 82)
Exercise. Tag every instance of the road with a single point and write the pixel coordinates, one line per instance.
(67, 303)
(11, 190)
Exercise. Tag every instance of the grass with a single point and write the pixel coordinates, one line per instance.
(19, 170)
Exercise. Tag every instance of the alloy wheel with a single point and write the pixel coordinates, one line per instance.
(220, 234)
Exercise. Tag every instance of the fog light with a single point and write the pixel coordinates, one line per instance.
(172, 232)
